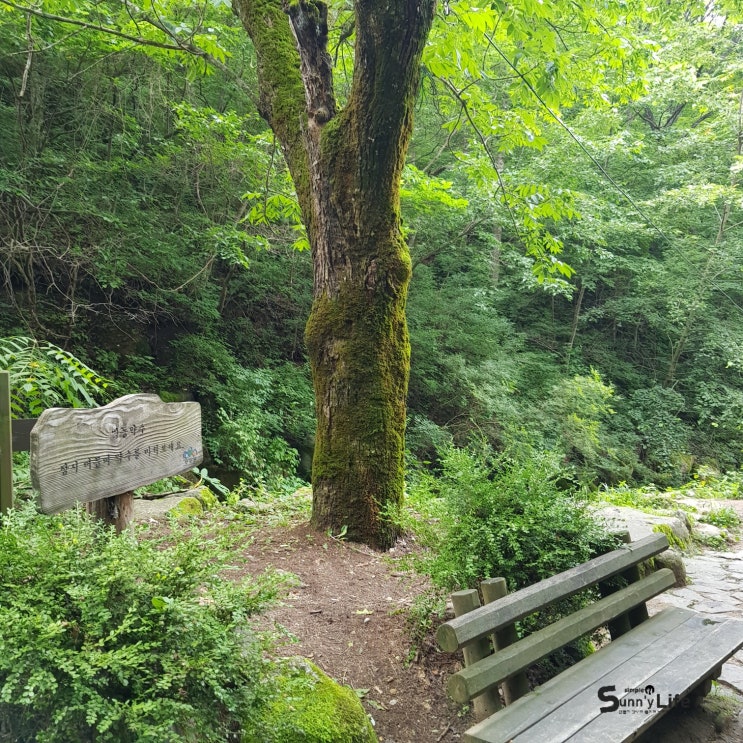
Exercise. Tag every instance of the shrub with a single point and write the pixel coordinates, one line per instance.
(43, 375)
(509, 519)
(662, 434)
(253, 418)
(114, 638)
(506, 518)
(724, 518)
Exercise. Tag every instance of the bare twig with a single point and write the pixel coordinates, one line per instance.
(29, 58)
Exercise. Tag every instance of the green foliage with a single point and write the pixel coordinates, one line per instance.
(250, 413)
(43, 375)
(550, 308)
(646, 498)
(506, 518)
(582, 405)
(117, 638)
(663, 435)
(497, 517)
(725, 518)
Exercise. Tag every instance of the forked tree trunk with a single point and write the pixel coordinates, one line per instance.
(346, 168)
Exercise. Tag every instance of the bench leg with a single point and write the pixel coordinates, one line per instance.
(518, 685)
(697, 694)
(489, 701)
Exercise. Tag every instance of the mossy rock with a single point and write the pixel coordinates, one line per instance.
(188, 506)
(677, 537)
(205, 496)
(311, 708)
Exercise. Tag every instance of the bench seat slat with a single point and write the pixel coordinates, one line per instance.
(567, 708)
(528, 710)
(679, 675)
(471, 681)
(481, 622)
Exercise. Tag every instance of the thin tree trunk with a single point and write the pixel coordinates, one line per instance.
(574, 326)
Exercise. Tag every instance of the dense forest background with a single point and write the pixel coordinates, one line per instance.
(573, 209)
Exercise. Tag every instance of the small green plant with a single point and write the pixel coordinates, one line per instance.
(724, 518)
(43, 375)
(120, 639)
(22, 474)
(216, 485)
(422, 615)
(341, 535)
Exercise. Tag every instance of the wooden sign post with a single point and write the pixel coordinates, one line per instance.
(100, 456)
(6, 445)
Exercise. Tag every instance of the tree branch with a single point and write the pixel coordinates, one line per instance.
(282, 99)
(309, 22)
(29, 58)
(102, 29)
(178, 45)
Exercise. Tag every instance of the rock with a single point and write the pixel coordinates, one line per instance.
(159, 507)
(251, 506)
(312, 708)
(673, 560)
(207, 499)
(188, 506)
(686, 519)
(640, 524)
(708, 531)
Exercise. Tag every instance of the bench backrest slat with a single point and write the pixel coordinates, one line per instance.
(472, 681)
(481, 622)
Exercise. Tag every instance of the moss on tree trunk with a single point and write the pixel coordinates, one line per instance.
(347, 167)
(360, 354)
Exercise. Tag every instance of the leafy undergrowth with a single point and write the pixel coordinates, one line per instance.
(132, 637)
(696, 499)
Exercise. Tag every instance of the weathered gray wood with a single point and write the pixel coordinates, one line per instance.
(6, 445)
(460, 631)
(518, 685)
(639, 614)
(620, 625)
(590, 673)
(84, 455)
(470, 682)
(488, 702)
(678, 675)
(21, 428)
(584, 708)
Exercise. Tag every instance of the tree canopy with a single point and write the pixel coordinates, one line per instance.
(177, 196)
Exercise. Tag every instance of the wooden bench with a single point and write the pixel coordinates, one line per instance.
(612, 695)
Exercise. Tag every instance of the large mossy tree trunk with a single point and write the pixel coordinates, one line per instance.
(346, 167)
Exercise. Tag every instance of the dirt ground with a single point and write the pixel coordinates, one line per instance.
(348, 613)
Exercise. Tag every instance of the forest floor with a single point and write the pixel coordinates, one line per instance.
(348, 611)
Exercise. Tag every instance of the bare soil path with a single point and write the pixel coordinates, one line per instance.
(349, 613)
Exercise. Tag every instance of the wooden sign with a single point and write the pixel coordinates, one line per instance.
(80, 455)
(6, 445)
